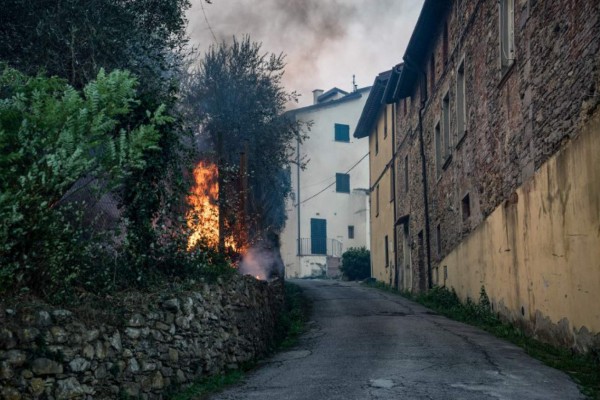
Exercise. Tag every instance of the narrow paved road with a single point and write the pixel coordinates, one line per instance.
(366, 344)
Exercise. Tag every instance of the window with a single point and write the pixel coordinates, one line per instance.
(387, 251)
(466, 207)
(377, 201)
(507, 35)
(461, 112)
(342, 133)
(342, 183)
(406, 174)
(446, 127)
(385, 121)
(350, 231)
(438, 150)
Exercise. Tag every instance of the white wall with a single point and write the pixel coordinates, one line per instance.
(325, 157)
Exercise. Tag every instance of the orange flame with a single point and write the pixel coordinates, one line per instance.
(203, 217)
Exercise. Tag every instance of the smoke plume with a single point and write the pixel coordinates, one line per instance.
(326, 41)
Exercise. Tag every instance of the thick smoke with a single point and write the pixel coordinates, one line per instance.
(262, 262)
(326, 41)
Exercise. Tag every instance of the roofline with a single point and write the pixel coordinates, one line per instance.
(352, 96)
(432, 13)
(372, 106)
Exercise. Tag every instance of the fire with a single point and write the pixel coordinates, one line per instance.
(203, 217)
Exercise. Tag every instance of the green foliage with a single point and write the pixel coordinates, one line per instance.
(209, 385)
(292, 320)
(75, 39)
(356, 263)
(54, 142)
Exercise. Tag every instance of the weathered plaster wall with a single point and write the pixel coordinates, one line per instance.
(538, 254)
(153, 342)
(324, 157)
(382, 214)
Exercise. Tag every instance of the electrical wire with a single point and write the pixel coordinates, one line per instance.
(207, 23)
(330, 185)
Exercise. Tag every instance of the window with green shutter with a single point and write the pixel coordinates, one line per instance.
(342, 133)
(342, 183)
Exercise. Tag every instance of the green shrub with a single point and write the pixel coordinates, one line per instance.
(356, 263)
(51, 137)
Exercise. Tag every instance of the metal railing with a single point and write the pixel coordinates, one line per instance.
(320, 246)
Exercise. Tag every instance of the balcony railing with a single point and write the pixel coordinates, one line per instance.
(320, 246)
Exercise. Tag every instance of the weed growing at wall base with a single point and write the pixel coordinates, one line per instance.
(584, 369)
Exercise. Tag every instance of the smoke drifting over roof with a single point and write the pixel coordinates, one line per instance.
(326, 41)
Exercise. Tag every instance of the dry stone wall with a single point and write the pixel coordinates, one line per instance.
(161, 341)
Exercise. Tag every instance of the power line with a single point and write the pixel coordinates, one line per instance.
(206, 19)
(330, 185)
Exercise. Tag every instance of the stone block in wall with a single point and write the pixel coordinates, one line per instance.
(58, 354)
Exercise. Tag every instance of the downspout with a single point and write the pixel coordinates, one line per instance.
(395, 194)
(298, 200)
(421, 73)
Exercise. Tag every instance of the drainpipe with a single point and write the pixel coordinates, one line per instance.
(298, 199)
(421, 73)
(395, 236)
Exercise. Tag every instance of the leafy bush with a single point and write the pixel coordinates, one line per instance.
(356, 263)
(52, 138)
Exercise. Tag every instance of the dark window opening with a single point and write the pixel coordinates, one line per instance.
(387, 251)
(461, 115)
(376, 140)
(385, 122)
(438, 150)
(466, 207)
(342, 133)
(342, 183)
(446, 146)
(350, 231)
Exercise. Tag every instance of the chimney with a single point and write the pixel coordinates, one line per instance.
(316, 94)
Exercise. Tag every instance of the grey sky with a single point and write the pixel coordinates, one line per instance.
(326, 41)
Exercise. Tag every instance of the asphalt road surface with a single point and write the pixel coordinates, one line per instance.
(365, 344)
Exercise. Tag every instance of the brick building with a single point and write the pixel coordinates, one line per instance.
(497, 160)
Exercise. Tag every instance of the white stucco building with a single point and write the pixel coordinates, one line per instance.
(328, 211)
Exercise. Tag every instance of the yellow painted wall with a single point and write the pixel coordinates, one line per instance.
(382, 222)
(538, 254)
